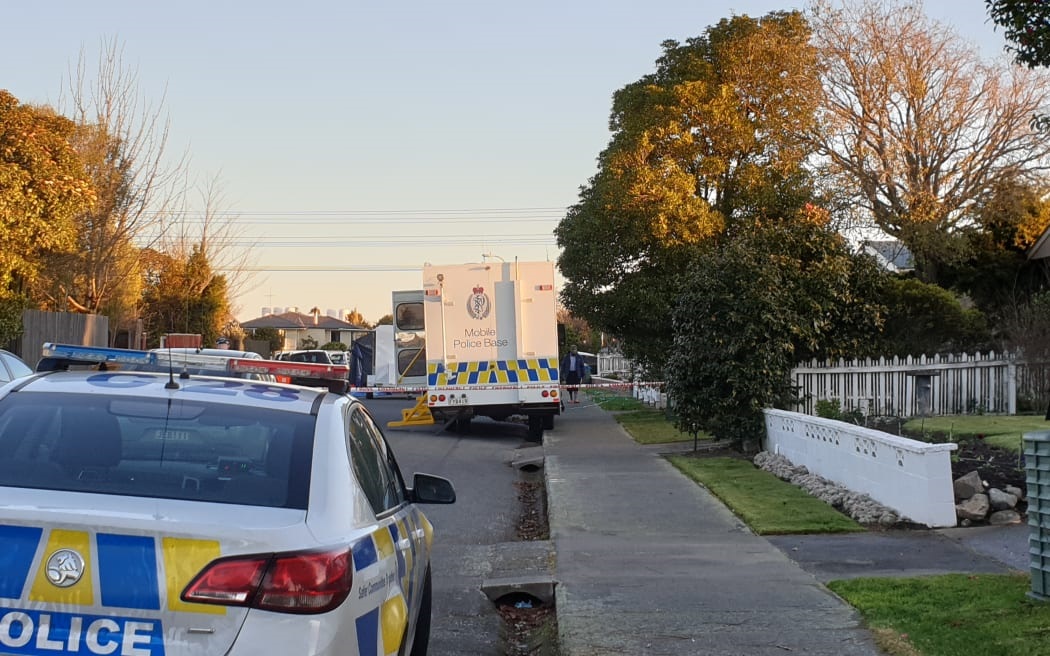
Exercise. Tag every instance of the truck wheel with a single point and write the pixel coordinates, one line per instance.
(548, 422)
(462, 425)
(535, 428)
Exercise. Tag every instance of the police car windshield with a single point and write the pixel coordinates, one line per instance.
(200, 451)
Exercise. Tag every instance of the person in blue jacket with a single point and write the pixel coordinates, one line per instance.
(572, 370)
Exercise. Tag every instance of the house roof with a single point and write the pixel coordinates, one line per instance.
(891, 254)
(299, 321)
(1041, 248)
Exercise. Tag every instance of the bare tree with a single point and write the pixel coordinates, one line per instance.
(122, 140)
(916, 127)
(212, 231)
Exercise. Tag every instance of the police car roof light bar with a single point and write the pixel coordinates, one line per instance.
(95, 354)
(336, 375)
(215, 363)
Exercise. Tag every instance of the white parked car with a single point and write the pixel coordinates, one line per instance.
(12, 366)
(147, 513)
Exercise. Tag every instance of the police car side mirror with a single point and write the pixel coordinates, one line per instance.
(432, 489)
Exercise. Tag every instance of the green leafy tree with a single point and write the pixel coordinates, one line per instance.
(385, 320)
(43, 187)
(185, 296)
(334, 346)
(714, 135)
(1026, 24)
(916, 127)
(924, 319)
(272, 336)
(307, 342)
(752, 307)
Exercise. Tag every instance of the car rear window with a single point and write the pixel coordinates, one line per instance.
(152, 448)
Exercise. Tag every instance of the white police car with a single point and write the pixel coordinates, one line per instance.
(162, 514)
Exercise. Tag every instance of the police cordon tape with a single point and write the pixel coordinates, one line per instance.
(485, 388)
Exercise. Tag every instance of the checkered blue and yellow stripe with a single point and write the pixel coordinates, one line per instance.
(493, 372)
(128, 573)
(381, 629)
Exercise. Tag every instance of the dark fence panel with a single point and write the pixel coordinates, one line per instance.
(62, 327)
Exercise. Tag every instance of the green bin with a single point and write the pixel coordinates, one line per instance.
(1037, 478)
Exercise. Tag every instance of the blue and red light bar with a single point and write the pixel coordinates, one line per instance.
(60, 356)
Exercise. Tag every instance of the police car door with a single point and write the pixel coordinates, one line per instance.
(400, 537)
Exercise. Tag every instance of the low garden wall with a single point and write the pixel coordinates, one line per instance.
(913, 478)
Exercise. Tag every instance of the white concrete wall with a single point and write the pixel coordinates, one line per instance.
(914, 478)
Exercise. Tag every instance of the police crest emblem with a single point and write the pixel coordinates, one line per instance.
(478, 304)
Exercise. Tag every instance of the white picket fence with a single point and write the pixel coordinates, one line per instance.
(612, 364)
(924, 385)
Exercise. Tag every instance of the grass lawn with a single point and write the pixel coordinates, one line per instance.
(998, 430)
(652, 427)
(975, 615)
(769, 505)
(645, 424)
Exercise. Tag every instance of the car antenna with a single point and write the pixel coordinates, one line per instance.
(171, 384)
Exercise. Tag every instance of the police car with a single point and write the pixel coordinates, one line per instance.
(147, 513)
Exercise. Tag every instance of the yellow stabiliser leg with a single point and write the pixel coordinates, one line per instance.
(417, 415)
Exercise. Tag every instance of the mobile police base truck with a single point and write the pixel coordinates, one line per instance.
(492, 343)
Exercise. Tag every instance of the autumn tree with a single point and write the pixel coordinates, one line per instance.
(356, 318)
(43, 187)
(915, 128)
(578, 332)
(712, 137)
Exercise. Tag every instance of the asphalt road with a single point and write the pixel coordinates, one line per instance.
(471, 536)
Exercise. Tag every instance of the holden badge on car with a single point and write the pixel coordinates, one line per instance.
(65, 567)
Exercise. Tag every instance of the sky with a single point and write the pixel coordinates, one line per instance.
(353, 141)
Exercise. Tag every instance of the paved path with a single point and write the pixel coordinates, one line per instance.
(650, 563)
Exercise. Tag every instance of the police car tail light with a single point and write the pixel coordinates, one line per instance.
(313, 582)
(301, 582)
(230, 582)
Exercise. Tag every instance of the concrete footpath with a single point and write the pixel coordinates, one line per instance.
(650, 563)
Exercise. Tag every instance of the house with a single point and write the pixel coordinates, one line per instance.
(892, 255)
(296, 326)
(1041, 248)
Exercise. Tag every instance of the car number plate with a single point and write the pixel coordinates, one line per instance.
(462, 400)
